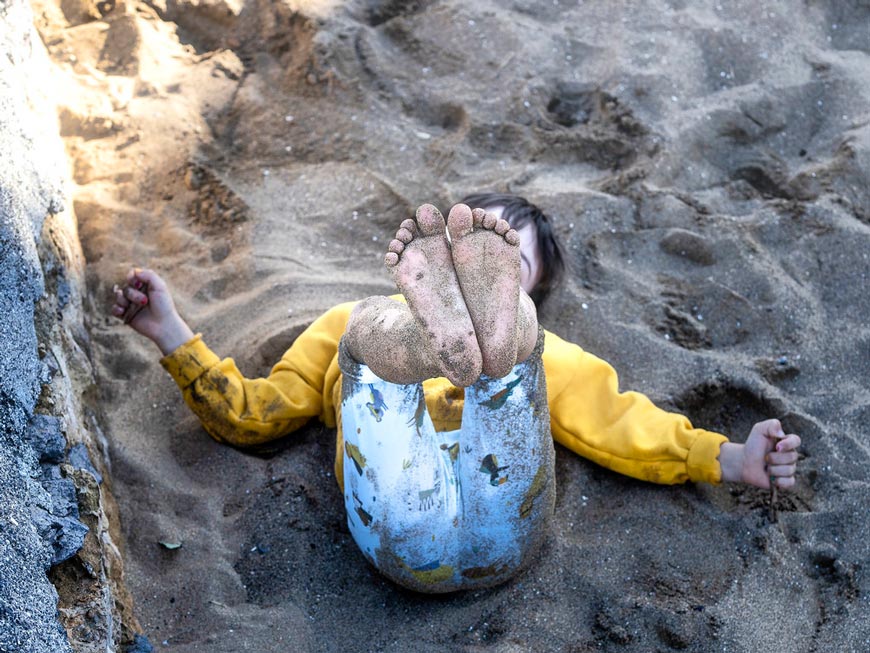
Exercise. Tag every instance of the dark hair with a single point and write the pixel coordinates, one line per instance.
(519, 212)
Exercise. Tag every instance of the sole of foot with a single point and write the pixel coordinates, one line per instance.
(420, 261)
(486, 257)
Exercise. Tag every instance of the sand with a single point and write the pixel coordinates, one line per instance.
(706, 165)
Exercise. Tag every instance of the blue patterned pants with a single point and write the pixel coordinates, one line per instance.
(444, 511)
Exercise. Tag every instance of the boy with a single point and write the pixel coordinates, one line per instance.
(445, 491)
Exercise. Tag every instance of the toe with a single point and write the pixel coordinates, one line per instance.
(391, 259)
(408, 225)
(404, 235)
(477, 217)
(396, 246)
(501, 227)
(489, 220)
(512, 237)
(429, 220)
(459, 221)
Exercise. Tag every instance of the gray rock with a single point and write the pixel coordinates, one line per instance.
(56, 516)
(78, 457)
(28, 613)
(65, 535)
(45, 436)
(63, 498)
(31, 176)
(50, 472)
(140, 645)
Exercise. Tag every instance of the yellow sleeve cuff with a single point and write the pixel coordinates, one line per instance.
(189, 361)
(702, 463)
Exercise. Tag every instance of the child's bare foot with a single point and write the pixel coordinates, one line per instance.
(420, 261)
(486, 257)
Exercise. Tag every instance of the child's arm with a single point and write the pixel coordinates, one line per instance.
(157, 319)
(769, 455)
(626, 432)
(232, 408)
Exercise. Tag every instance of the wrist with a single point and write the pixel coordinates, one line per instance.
(174, 334)
(731, 462)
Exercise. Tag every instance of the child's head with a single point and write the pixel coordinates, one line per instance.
(521, 214)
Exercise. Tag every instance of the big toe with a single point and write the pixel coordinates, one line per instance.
(459, 221)
(429, 220)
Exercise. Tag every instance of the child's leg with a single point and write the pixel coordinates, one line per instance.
(436, 333)
(438, 512)
(506, 471)
(402, 491)
(419, 260)
(383, 334)
(400, 486)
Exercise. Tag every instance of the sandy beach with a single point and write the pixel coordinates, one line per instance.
(706, 165)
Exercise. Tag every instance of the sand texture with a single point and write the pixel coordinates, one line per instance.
(706, 164)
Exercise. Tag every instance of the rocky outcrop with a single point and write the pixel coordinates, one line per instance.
(58, 523)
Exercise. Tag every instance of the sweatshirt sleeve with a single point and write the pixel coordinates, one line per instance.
(623, 431)
(246, 412)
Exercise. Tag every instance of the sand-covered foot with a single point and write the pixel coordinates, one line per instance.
(486, 257)
(420, 261)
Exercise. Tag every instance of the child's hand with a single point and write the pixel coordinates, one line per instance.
(769, 455)
(157, 318)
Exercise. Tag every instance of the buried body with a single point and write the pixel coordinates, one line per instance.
(446, 489)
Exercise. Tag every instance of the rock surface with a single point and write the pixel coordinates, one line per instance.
(30, 188)
(54, 519)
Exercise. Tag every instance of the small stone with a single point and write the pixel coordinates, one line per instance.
(171, 546)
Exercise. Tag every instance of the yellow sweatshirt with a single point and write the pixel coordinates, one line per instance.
(623, 431)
